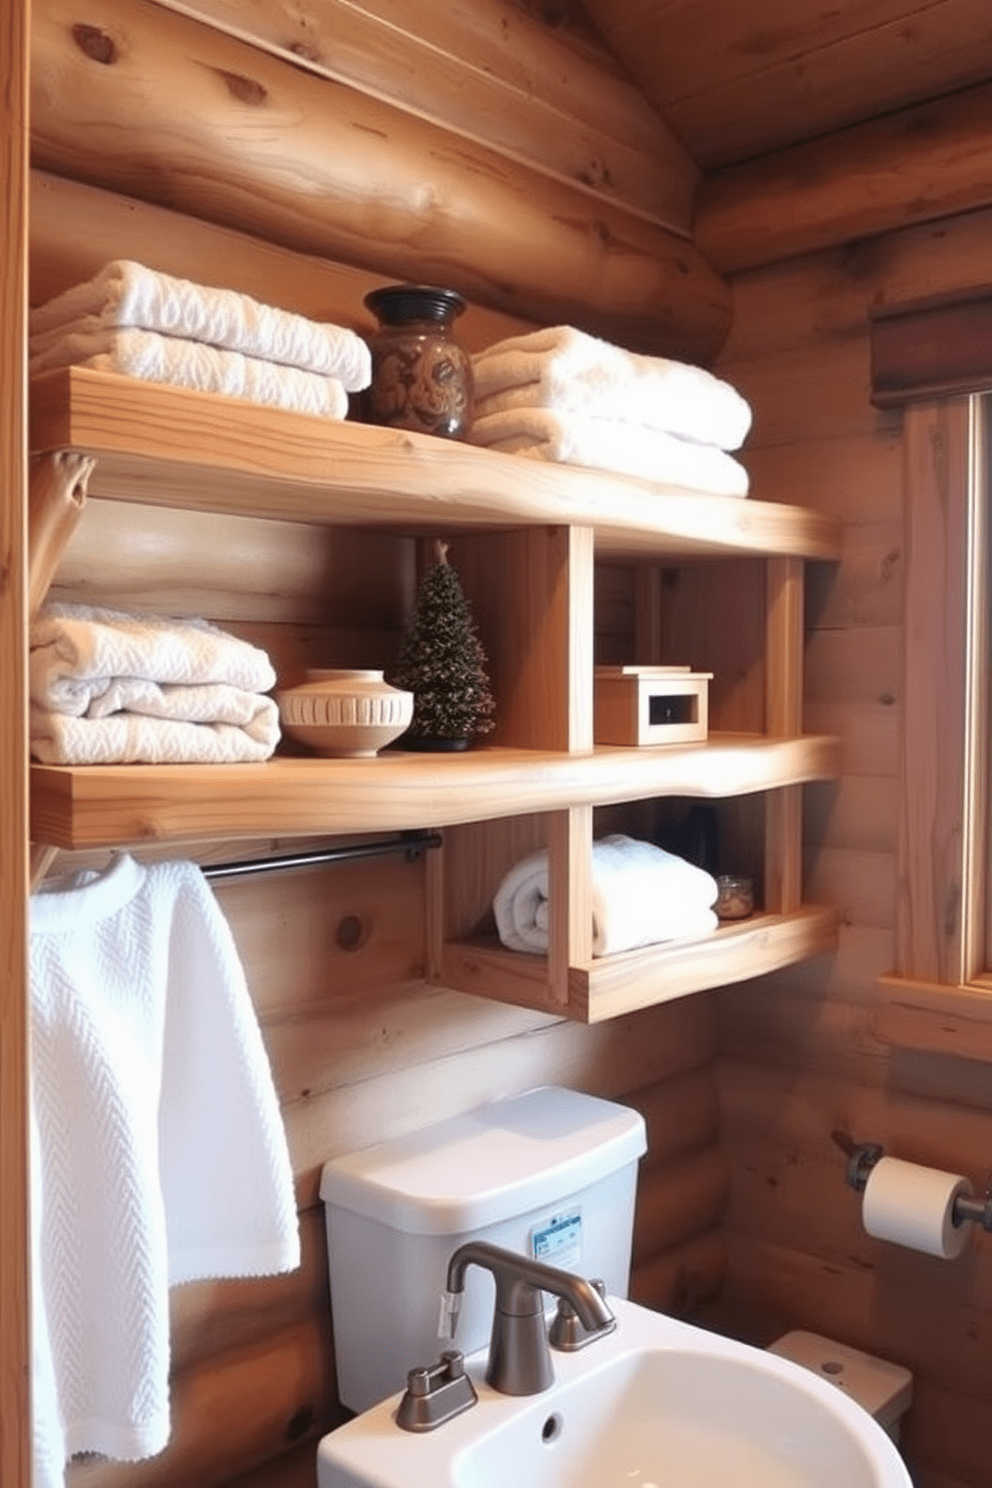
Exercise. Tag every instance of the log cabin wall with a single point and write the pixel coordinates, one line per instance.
(799, 1057)
(266, 194)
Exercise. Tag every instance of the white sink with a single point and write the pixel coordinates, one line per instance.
(656, 1404)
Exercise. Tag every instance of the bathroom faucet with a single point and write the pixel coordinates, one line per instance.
(519, 1356)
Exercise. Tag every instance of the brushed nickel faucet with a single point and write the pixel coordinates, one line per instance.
(519, 1356)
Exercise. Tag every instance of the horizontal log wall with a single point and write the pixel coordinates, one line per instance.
(353, 1033)
(298, 159)
(800, 1059)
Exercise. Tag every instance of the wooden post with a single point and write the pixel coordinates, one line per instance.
(569, 896)
(15, 1436)
(783, 717)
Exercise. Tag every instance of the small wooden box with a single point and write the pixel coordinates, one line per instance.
(650, 705)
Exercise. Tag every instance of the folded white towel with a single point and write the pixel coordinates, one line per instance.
(125, 293)
(640, 895)
(133, 738)
(566, 369)
(192, 364)
(607, 444)
(158, 1152)
(82, 654)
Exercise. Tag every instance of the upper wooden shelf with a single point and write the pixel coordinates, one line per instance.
(171, 447)
(90, 806)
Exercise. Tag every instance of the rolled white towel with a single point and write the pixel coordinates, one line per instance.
(563, 368)
(641, 894)
(569, 438)
(79, 653)
(127, 294)
(135, 738)
(151, 357)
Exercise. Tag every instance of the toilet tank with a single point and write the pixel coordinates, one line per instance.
(550, 1173)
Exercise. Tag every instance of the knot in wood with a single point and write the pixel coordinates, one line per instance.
(244, 89)
(95, 43)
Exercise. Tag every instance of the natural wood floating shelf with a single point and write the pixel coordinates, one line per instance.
(89, 806)
(172, 447)
(612, 985)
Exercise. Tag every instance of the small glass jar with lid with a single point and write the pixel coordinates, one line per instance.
(421, 375)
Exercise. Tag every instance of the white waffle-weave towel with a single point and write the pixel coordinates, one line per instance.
(135, 739)
(150, 357)
(641, 894)
(563, 368)
(128, 294)
(570, 438)
(83, 658)
(158, 1151)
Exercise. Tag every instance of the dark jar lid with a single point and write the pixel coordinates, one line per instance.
(394, 304)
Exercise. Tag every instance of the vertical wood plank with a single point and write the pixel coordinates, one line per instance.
(14, 1276)
(929, 878)
(647, 615)
(783, 716)
(569, 896)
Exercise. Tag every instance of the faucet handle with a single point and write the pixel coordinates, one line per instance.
(435, 1393)
(568, 1333)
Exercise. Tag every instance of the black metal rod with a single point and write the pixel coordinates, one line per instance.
(412, 844)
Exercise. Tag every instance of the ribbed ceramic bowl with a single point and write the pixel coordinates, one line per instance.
(346, 714)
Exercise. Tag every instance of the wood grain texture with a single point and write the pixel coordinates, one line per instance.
(912, 166)
(15, 1453)
(496, 74)
(200, 451)
(266, 146)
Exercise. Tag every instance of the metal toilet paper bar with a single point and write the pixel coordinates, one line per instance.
(863, 1156)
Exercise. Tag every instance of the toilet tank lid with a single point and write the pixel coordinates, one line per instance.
(493, 1163)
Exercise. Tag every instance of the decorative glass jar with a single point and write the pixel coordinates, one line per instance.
(421, 376)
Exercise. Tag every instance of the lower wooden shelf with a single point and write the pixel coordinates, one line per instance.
(613, 985)
(91, 806)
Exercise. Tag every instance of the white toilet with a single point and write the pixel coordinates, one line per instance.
(551, 1173)
(883, 1389)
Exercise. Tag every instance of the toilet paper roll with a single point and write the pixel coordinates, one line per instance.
(914, 1206)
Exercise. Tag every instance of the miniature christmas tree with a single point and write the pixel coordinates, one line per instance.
(443, 663)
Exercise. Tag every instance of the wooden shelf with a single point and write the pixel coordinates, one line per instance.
(171, 447)
(613, 985)
(90, 806)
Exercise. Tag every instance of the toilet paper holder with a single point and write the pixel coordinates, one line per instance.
(862, 1157)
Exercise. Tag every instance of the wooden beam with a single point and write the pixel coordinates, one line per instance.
(493, 73)
(912, 166)
(269, 148)
(932, 348)
(15, 1435)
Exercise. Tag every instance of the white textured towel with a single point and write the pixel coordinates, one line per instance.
(570, 438)
(127, 294)
(640, 895)
(158, 1152)
(80, 652)
(191, 364)
(112, 688)
(563, 368)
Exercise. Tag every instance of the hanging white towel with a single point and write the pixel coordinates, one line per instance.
(191, 364)
(79, 653)
(125, 293)
(571, 438)
(565, 369)
(641, 894)
(158, 1152)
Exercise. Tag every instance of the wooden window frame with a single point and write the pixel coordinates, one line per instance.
(935, 359)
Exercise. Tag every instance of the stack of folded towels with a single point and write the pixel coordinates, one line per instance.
(133, 320)
(641, 894)
(112, 688)
(559, 394)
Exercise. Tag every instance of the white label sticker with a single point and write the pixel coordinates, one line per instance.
(559, 1242)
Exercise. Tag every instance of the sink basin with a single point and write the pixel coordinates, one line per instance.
(656, 1404)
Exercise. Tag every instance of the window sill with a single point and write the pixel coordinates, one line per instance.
(935, 1017)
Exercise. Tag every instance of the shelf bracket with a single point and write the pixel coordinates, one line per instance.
(56, 498)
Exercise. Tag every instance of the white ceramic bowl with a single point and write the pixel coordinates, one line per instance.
(347, 714)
